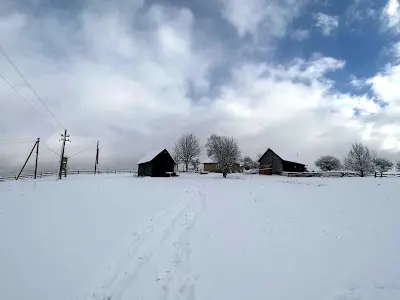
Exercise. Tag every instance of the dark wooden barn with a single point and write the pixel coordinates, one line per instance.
(156, 164)
(279, 165)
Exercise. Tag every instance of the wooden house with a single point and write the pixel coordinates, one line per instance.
(278, 164)
(211, 166)
(156, 164)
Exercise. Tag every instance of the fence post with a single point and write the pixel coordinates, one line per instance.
(381, 174)
(375, 174)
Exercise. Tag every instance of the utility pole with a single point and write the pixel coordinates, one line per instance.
(97, 158)
(37, 156)
(64, 138)
(29, 156)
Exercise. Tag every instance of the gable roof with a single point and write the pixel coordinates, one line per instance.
(209, 161)
(287, 158)
(152, 155)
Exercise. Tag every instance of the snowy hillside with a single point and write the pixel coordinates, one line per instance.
(200, 237)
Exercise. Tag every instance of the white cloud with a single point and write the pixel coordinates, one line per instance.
(391, 15)
(387, 85)
(392, 7)
(300, 34)
(101, 76)
(396, 50)
(128, 84)
(273, 15)
(357, 83)
(326, 23)
(291, 105)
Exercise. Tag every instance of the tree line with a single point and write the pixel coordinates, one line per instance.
(223, 150)
(360, 159)
(226, 153)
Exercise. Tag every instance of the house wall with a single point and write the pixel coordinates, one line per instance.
(161, 164)
(211, 167)
(270, 158)
(293, 167)
(145, 169)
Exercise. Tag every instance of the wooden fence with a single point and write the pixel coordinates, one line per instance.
(339, 174)
(381, 175)
(322, 174)
(71, 172)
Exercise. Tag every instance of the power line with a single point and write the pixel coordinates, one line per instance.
(27, 83)
(22, 97)
(51, 150)
(84, 150)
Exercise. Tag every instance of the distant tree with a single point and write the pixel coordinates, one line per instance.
(187, 148)
(195, 163)
(328, 163)
(177, 160)
(382, 164)
(225, 151)
(398, 165)
(360, 159)
(248, 163)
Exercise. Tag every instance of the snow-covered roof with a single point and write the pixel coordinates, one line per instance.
(291, 157)
(288, 156)
(150, 156)
(209, 161)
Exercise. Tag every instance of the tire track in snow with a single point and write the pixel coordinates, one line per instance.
(158, 262)
(123, 262)
(180, 283)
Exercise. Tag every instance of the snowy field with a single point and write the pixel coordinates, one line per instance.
(118, 237)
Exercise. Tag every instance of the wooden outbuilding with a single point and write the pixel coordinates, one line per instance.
(211, 166)
(278, 164)
(156, 164)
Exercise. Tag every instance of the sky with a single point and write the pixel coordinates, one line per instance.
(305, 78)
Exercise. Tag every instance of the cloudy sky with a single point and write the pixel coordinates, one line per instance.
(304, 77)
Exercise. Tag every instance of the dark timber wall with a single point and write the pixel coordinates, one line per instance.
(157, 167)
(278, 165)
(270, 158)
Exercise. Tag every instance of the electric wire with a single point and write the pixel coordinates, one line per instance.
(2, 51)
(18, 93)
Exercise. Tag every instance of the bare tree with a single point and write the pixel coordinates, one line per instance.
(328, 163)
(177, 161)
(398, 165)
(195, 163)
(360, 159)
(248, 163)
(225, 151)
(382, 164)
(187, 148)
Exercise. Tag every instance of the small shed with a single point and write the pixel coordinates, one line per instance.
(156, 164)
(211, 166)
(278, 164)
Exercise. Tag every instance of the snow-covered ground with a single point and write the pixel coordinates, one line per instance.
(118, 237)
